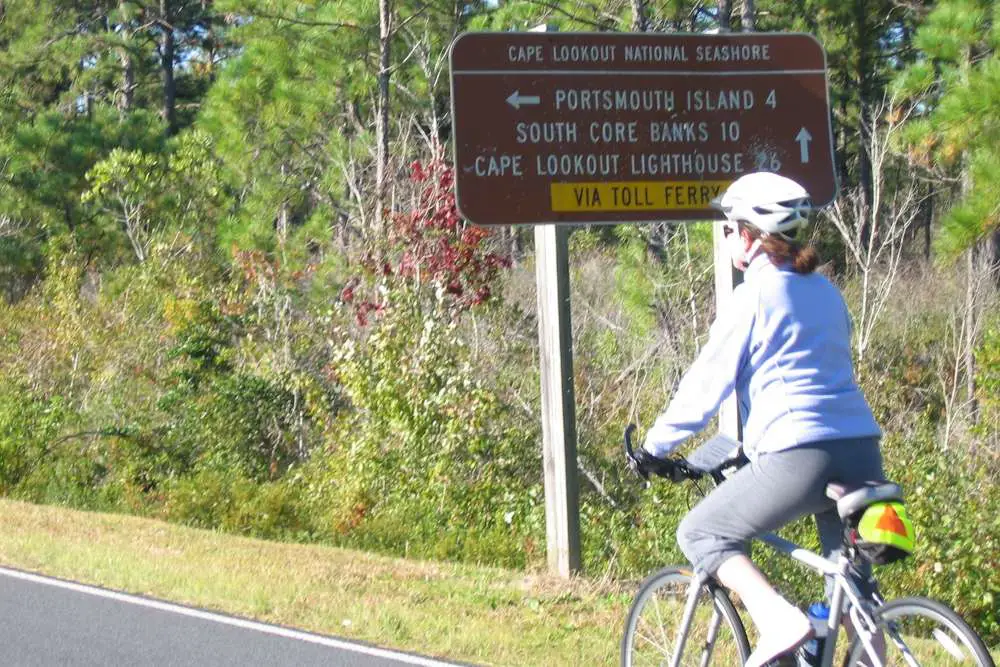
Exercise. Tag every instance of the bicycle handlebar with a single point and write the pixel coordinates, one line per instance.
(676, 462)
(629, 430)
(714, 465)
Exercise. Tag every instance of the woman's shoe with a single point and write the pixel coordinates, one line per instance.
(784, 632)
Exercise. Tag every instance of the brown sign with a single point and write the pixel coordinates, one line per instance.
(612, 127)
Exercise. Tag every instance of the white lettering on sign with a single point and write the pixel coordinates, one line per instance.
(616, 132)
(549, 133)
(614, 100)
(498, 165)
(583, 54)
(677, 132)
(720, 100)
(680, 164)
(525, 54)
(733, 53)
(580, 164)
(660, 54)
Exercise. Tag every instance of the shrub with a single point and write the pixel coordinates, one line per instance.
(426, 461)
(226, 500)
(28, 426)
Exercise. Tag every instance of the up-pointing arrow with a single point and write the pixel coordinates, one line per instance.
(803, 137)
(516, 99)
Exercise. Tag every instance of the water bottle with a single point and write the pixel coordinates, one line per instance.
(811, 653)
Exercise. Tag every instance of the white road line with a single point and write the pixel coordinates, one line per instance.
(226, 620)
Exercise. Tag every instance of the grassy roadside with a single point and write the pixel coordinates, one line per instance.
(485, 616)
(472, 614)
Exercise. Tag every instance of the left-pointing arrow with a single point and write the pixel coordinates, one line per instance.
(517, 100)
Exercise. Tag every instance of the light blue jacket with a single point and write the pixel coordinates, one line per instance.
(784, 345)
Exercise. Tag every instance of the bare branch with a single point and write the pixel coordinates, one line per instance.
(554, 7)
(893, 210)
(312, 24)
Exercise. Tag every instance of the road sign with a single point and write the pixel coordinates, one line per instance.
(630, 127)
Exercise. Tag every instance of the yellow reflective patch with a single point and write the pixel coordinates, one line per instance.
(887, 523)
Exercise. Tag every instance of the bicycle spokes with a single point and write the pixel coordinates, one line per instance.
(656, 626)
(921, 633)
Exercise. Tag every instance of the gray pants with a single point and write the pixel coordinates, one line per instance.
(774, 490)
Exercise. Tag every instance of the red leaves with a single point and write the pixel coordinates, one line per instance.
(347, 294)
(432, 244)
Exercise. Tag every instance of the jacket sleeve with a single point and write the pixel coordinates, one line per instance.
(710, 379)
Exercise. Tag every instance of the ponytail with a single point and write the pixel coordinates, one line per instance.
(803, 259)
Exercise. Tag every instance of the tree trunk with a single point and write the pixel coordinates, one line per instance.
(126, 100)
(725, 15)
(843, 142)
(864, 81)
(972, 284)
(928, 215)
(640, 22)
(748, 21)
(167, 48)
(282, 223)
(969, 351)
(382, 111)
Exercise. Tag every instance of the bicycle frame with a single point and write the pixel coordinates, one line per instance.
(844, 588)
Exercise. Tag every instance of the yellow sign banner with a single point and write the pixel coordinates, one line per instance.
(635, 195)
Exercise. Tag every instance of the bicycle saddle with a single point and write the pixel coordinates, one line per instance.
(851, 498)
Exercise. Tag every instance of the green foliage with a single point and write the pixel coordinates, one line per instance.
(428, 460)
(633, 280)
(223, 499)
(957, 132)
(79, 81)
(951, 28)
(218, 417)
(953, 502)
(142, 195)
(988, 381)
(44, 176)
(235, 422)
(271, 113)
(27, 425)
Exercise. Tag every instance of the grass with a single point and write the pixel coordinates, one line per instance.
(485, 616)
(481, 615)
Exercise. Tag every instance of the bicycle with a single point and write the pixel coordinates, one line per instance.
(910, 631)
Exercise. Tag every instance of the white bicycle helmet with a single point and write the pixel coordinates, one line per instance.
(771, 203)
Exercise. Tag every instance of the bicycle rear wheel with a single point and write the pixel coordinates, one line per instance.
(716, 635)
(919, 632)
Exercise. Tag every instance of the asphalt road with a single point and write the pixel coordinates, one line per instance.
(50, 622)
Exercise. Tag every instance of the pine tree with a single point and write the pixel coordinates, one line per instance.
(79, 80)
(957, 83)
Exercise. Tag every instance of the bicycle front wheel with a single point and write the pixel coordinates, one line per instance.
(918, 632)
(652, 631)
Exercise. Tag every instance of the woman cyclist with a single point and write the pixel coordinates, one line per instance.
(783, 344)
